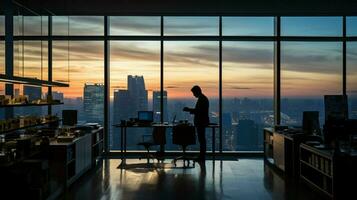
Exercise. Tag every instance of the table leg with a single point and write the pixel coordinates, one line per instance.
(122, 130)
(213, 140)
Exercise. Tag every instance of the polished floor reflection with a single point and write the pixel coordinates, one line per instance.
(219, 179)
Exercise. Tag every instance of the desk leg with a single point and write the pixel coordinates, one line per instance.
(122, 130)
(125, 135)
(213, 141)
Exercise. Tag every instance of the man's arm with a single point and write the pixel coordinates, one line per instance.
(191, 110)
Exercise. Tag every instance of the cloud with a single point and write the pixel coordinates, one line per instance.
(172, 87)
(240, 88)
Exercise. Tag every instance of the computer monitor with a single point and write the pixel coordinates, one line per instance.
(310, 122)
(69, 117)
(145, 116)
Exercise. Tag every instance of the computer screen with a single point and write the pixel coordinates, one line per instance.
(310, 122)
(69, 117)
(145, 116)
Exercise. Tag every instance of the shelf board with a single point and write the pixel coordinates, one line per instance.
(316, 169)
(29, 104)
(97, 143)
(316, 186)
(69, 162)
(30, 81)
(30, 126)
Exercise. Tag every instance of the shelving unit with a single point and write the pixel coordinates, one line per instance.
(29, 105)
(332, 174)
(30, 81)
(97, 145)
(316, 168)
(29, 126)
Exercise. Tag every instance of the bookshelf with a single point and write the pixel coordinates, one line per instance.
(330, 172)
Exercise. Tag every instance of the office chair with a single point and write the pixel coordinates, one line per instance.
(184, 135)
(158, 137)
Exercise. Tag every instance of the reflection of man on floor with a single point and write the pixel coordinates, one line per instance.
(201, 118)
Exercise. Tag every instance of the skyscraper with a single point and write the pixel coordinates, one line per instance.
(156, 102)
(247, 135)
(137, 92)
(126, 105)
(93, 104)
(34, 93)
(58, 96)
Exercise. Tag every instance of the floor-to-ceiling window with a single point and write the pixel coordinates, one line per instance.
(81, 65)
(2, 57)
(188, 63)
(134, 75)
(247, 83)
(309, 69)
(351, 70)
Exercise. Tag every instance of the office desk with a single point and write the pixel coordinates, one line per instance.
(123, 136)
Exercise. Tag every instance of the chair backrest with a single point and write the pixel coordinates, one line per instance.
(183, 135)
(159, 135)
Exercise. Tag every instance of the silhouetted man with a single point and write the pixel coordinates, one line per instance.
(201, 119)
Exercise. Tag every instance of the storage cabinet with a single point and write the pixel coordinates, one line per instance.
(330, 172)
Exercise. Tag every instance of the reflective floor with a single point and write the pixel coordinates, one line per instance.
(227, 179)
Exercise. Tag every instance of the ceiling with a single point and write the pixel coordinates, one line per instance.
(187, 7)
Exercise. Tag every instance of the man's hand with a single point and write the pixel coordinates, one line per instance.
(186, 109)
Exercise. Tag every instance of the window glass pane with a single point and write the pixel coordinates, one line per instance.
(30, 25)
(191, 25)
(31, 59)
(78, 25)
(309, 70)
(2, 25)
(60, 25)
(187, 64)
(311, 26)
(86, 90)
(2, 92)
(134, 25)
(135, 78)
(19, 58)
(248, 26)
(247, 82)
(60, 61)
(2, 57)
(86, 25)
(352, 79)
(18, 25)
(351, 26)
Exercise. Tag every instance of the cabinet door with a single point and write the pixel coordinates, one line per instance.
(279, 151)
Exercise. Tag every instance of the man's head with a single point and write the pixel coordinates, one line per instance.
(196, 91)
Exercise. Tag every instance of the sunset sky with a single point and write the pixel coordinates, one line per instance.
(308, 68)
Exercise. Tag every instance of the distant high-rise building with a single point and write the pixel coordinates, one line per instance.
(227, 131)
(93, 102)
(123, 107)
(34, 93)
(126, 105)
(58, 95)
(156, 102)
(247, 135)
(137, 92)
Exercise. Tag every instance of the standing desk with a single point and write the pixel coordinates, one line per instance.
(123, 136)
